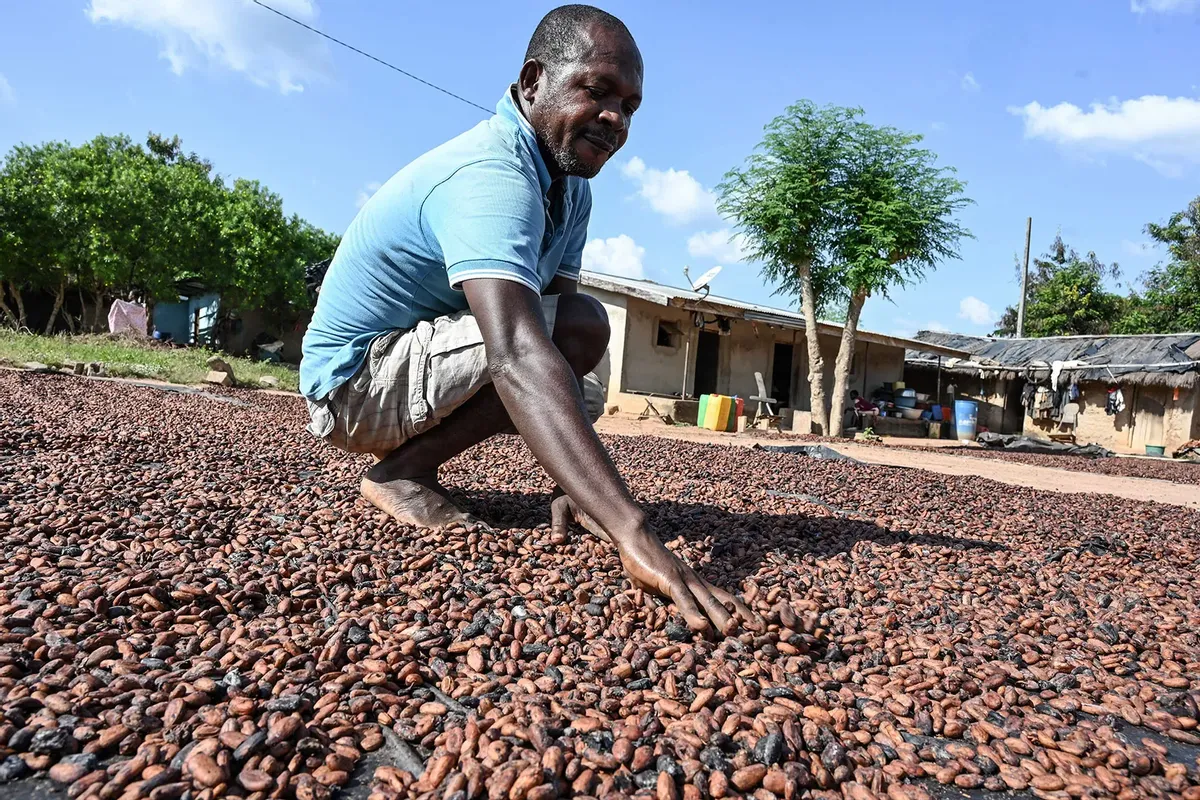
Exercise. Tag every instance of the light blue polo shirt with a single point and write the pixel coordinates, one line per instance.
(478, 206)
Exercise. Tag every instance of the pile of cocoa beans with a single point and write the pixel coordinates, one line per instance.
(195, 603)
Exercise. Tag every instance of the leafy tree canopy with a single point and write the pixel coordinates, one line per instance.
(1067, 296)
(1170, 302)
(112, 217)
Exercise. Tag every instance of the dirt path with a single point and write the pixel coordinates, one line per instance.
(1046, 478)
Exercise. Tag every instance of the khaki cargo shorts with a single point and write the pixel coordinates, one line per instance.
(412, 380)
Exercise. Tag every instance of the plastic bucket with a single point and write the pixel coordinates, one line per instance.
(966, 414)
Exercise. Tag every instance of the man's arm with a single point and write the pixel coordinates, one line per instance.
(542, 398)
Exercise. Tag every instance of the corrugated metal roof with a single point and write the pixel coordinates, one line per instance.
(668, 292)
(663, 295)
(1090, 357)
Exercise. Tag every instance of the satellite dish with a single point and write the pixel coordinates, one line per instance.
(705, 279)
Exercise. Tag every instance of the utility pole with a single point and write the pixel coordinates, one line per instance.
(1024, 280)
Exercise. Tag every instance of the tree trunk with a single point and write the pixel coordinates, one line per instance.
(816, 364)
(72, 325)
(9, 316)
(16, 293)
(98, 314)
(841, 367)
(58, 302)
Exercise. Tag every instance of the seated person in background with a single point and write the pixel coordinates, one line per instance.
(864, 408)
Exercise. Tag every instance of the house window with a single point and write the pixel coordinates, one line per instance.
(668, 334)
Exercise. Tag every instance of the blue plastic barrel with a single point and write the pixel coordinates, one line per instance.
(966, 414)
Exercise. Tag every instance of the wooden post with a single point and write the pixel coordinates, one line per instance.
(866, 369)
(687, 349)
(939, 382)
(1024, 280)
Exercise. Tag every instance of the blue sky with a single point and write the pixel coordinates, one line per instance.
(1084, 114)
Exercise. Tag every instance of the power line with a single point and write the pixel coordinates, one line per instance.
(373, 58)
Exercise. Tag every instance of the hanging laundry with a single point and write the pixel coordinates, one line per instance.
(1055, 371)
(1043, 403)
(1115, 403)
(1074, 391)
(1028, 396)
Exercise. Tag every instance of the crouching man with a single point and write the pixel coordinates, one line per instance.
(451, 311)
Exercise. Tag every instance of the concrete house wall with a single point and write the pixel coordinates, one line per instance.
(1153, 415)
(636, 365)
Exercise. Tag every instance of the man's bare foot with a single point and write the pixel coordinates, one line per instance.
(422, 502)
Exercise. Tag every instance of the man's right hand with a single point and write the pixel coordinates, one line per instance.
(653, 568)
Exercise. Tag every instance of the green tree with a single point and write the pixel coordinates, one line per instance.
(36, 223)
(114, 218)
(1170, 301)
(838, 210)
(152, 220)
(267, 251)
(1066, 296)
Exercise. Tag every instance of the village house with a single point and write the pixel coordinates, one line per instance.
(1156, 375)
(670, 346)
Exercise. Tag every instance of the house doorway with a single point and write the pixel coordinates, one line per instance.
(1013, 419)
(708, 355)
(1148, 409)
(781, 375)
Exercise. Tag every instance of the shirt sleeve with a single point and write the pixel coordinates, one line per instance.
(572, 260)
(488, 221)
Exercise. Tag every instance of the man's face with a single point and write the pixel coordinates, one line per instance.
(581, 111)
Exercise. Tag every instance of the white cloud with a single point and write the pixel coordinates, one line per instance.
(969, 84)
(235, 34)
(937, 126)
(7, 96)
(673, 193)
(620, 255)
(722, 245)
(1161, 6)
(976, 311)
(364, 194)
(1162, 132)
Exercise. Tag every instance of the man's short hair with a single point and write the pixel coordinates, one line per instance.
(560, 37)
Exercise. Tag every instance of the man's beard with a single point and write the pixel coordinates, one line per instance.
(566, 156)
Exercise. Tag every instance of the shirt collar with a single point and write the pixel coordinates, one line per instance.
(508, 110)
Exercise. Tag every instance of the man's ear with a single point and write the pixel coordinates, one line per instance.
(529, 80)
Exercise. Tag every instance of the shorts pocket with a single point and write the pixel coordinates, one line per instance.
(454, 366)
(373, 369)
(321, 418)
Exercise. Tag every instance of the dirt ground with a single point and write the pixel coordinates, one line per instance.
(904, 453)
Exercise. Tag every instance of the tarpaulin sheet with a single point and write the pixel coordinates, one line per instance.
(126, 317)
(810, 450)
(1031, 444)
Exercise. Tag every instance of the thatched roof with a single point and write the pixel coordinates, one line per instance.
(1149, 360)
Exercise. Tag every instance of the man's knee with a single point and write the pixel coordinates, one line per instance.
(581, 330)
(584, 317)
